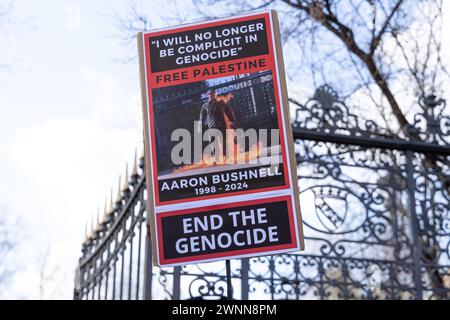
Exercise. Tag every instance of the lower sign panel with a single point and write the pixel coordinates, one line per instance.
(237, 229)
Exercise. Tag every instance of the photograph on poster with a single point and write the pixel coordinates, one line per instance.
(206, 138)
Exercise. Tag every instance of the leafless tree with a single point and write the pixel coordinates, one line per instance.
(49, 275)
(381, 55)
(11, 26)
(386, 50)
(6, 7)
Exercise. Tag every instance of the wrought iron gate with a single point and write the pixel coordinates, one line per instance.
(376, 213)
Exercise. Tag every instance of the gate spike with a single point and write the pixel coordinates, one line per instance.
(111, 204)
(105, 209)
(97, 226)
(103, 219)
(91, 235)
(119, 195)
(125, 184)
(142, 158)
(86, 236)
(134, 172)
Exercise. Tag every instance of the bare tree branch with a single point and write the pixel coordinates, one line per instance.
(376, 40)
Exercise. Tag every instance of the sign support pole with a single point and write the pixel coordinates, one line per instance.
(229, 285)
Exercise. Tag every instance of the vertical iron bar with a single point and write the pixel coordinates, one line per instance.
(100, 277)
(130, 269)
(245, 266)
(93, 291)
(346, 283)
(229, 284)
(82, 283)
(321, 279)
(78, 289)
(272, 284)
(93, 280)
(138, 276)
(414, 223)
(86, 284)
(176, 283)
(100, 280)
(148, 267)
(106, 282)
(297, 279)
(115, 267)
(114, 280)
(392, 277)
(108, 268)
(122, 262)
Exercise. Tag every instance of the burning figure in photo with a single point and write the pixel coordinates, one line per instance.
(216, 113)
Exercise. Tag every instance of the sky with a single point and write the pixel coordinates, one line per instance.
(70, 119)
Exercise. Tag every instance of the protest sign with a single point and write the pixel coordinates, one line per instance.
(220, 162)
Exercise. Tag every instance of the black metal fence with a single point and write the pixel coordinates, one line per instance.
(376, 213)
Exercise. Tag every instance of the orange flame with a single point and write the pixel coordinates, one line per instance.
(225, 98)
(232, 157)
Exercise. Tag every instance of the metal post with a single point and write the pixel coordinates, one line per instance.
(176, 283)
(229, 285)
(148, 267)
(245, 266)
(77, 292)
(414, 223)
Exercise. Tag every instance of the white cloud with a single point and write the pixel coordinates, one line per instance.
(63, 168)
(102, 93)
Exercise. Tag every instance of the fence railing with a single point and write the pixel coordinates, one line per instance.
(376, 214)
